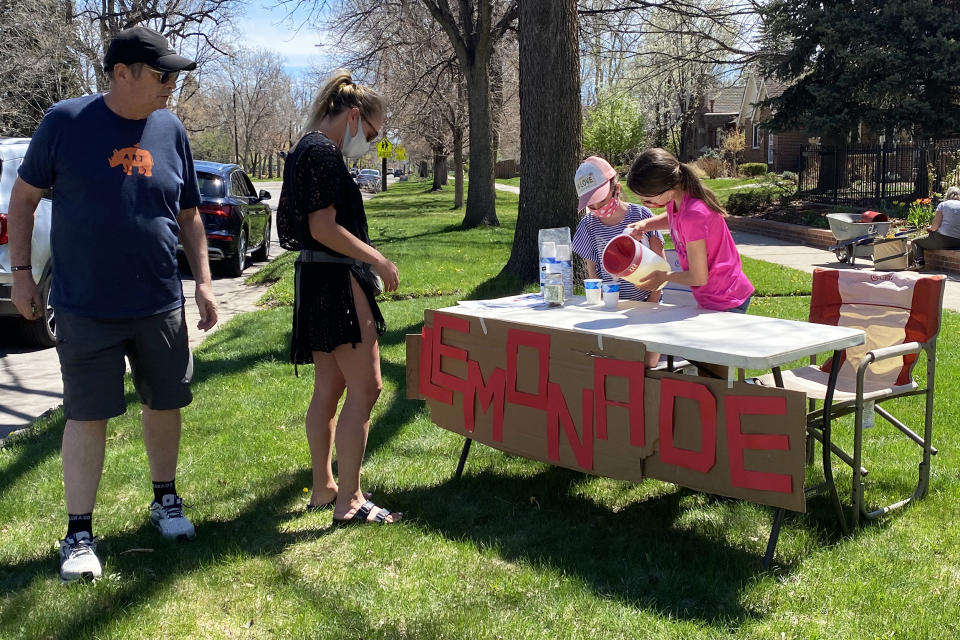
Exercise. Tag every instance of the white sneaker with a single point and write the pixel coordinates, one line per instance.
(169, 519)
(78, 558)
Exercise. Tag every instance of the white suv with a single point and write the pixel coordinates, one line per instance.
(42, 331)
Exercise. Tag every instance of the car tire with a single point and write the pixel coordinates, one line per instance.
(263, 253)
(233, 267)
(43, 332)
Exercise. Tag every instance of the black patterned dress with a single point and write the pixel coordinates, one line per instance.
(325, 315)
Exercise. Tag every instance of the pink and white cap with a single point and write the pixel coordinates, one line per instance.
(593, 181)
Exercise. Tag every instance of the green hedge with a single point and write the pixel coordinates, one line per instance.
(746, 202)
(752, 169)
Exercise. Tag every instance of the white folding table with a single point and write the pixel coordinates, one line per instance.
(734, 340)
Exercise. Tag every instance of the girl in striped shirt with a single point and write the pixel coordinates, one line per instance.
(607, 217)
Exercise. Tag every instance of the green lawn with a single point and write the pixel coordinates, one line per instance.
(514, 549)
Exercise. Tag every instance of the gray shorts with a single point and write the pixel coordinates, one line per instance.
(92, 352)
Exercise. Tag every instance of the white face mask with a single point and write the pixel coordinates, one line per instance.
(355, 146)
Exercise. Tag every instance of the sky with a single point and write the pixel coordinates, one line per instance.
(266, 26)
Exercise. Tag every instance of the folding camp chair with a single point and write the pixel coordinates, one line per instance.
(900, 314)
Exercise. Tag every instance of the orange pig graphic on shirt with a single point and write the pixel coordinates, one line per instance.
(133, 157)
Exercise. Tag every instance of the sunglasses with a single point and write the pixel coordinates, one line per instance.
(164, 76)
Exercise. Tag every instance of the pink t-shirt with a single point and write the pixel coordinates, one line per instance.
(727, 286)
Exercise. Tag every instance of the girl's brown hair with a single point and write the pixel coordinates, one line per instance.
(339, 93)
(656, 170)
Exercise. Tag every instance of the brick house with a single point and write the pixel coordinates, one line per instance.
(736, 107)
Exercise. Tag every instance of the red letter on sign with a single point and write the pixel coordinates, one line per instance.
(737, 441)
(427, 388)
(633, 372)
(704, 459)
(540, 342)
(557, 413)
(492, 392)
(438, 377)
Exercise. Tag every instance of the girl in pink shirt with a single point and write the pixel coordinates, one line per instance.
(705, 248)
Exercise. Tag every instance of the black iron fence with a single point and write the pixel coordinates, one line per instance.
(864, 174)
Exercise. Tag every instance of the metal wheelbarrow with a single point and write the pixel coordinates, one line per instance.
(855, 233)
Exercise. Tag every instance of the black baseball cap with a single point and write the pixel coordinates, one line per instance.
(143, 44)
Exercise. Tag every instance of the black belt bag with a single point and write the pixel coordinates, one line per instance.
(373, 278)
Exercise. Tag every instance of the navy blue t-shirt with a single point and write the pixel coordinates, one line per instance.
(118, 185)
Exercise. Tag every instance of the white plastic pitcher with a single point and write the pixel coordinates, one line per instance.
(625, 257)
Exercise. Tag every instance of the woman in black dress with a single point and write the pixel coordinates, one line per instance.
(336, 321)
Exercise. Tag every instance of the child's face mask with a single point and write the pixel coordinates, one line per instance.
(607, 210)
(610, 208)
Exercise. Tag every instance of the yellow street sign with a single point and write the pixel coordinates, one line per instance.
(401, 153)
(384, 149)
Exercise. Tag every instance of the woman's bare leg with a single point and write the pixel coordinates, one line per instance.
(328, 387)
(360, 367)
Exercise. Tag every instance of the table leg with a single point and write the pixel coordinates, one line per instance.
(778, 517)
(774, 536)
(463, 457)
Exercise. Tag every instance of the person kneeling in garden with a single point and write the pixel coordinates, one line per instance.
(944, 231)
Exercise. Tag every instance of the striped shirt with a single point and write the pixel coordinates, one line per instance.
(592, 236)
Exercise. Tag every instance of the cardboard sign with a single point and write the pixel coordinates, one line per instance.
(586, 403)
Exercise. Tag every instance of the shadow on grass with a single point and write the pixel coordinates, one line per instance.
(254, 532)
(387, 239)
(42, 442)
(638, 555)
(500, 285)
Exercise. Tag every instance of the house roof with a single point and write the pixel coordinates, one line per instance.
(774, 88)
(727, 100)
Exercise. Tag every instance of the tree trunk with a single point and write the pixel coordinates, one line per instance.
(457, 167)
(550, 127)
(496, 103)
(481, 195)
(439, 169)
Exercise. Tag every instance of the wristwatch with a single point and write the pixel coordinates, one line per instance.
(22, 267)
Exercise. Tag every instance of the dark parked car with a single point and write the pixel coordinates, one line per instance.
(397, 173)
(235, 216)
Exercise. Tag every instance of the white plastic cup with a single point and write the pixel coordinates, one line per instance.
(611, 294)
(592, 288)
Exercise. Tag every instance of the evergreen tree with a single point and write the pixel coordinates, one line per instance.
(890, 64)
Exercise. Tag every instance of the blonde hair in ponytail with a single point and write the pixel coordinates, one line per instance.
(338, 94)
(657, 170)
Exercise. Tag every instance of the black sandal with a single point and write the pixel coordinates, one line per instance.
(360, 516)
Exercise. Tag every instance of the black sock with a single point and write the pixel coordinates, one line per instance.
(77, 522)
(161, 489)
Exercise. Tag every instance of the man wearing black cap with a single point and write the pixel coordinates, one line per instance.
(124, 189)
